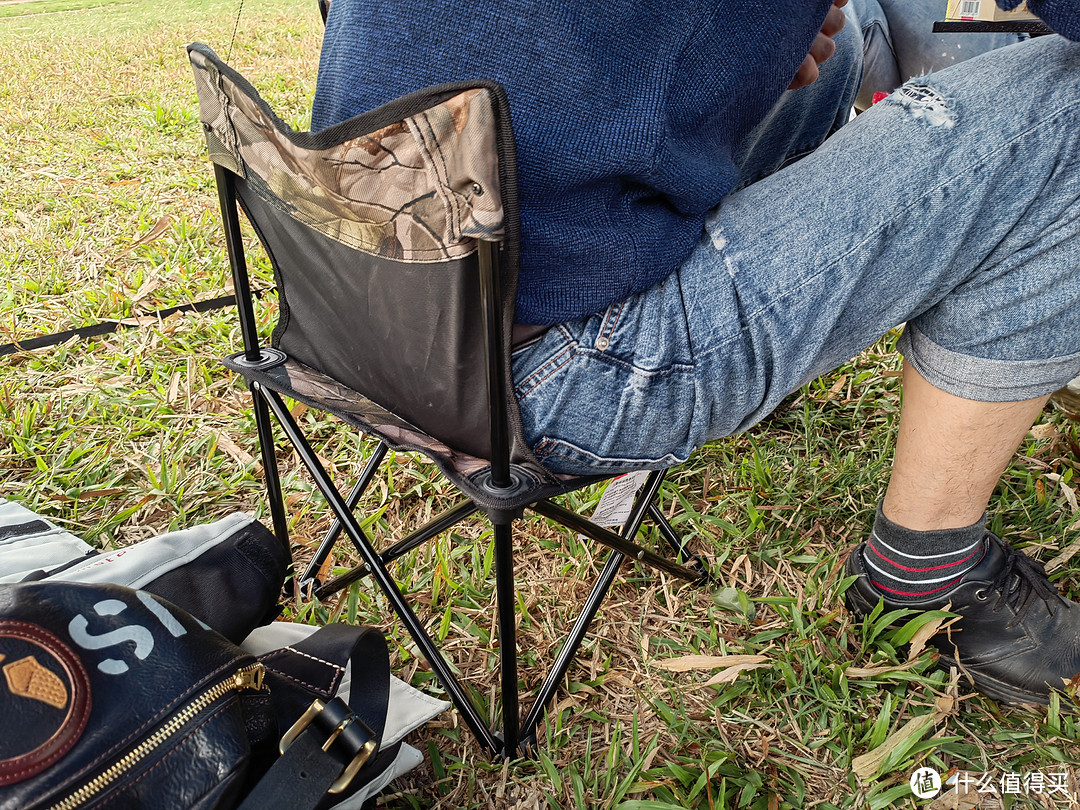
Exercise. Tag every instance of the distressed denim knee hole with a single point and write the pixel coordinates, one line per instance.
(925, 104)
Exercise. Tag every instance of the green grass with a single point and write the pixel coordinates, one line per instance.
(109, 213)
(35, 7)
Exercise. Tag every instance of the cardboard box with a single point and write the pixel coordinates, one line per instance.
(985, 10)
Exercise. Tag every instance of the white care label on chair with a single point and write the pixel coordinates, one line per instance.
(618, 499)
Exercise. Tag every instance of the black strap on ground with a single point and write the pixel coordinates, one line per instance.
(106, 327)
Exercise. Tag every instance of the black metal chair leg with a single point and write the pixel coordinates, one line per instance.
(570, 646)
(270, 469)
(678, 544)
(506, 602)
(614, 541)
(323, 551)
(435, 526)
(592, 605)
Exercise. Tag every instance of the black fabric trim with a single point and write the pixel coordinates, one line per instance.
(509, 266)
(13, 530)
(43, 574)
(363, 124)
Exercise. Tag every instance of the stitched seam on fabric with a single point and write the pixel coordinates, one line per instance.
(705, 19)
(192, 553)
(885, 36)
(668, 371)
(51, 760)
(611, 319)
(152, 722)
(38, 536)
(961, 381)
(164, 757)
(544, 446)
(314, 658)
(1047, 121)
(604, 319)
(442, 176)
(331, 688)
(549, 368)
(1050, 118)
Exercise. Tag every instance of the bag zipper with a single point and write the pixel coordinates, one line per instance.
(249, 677)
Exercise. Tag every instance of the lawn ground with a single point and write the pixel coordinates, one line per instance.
(109, 213)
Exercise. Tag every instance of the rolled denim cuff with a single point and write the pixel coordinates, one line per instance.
(982, 379)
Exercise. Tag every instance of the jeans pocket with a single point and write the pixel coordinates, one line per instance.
(536, 363)
(562, 456)
(612, 392)
(587, 412)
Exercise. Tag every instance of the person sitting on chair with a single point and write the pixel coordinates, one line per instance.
(704, 232)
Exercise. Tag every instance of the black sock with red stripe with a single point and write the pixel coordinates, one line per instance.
(908, 565)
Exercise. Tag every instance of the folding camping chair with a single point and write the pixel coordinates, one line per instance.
(394, 242)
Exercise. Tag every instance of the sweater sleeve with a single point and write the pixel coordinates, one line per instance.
(1061, 15)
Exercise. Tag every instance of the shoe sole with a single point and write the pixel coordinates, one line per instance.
(1001, 692)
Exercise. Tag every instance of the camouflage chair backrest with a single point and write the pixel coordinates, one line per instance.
(372, 226)
(417, 189)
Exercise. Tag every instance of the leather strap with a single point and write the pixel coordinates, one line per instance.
(323, 752)
(313, 670)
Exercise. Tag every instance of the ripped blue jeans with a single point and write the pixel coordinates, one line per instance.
(953, 206)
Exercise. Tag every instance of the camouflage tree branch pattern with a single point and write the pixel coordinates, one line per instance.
(421, 189)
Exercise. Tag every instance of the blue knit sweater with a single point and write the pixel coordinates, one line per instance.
(625, 113)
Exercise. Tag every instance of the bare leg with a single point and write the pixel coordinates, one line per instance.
(950, 454)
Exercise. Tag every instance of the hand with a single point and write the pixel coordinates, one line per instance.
(823, 47)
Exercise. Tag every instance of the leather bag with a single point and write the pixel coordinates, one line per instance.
(114, 697)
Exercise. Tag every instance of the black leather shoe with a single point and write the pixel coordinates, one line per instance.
(1017, 636)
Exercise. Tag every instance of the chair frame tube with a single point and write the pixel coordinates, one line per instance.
(589, 609)
(252, 351)
(436, 526)
(358, 490)
(494, 358)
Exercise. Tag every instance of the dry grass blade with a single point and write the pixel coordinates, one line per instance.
(691, 663)
(1067, 553)
(160, 228)
(729, 674)
(855, 673)
(867, 766)
(926, 632)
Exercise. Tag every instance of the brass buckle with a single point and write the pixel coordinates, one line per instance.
(357, 762)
